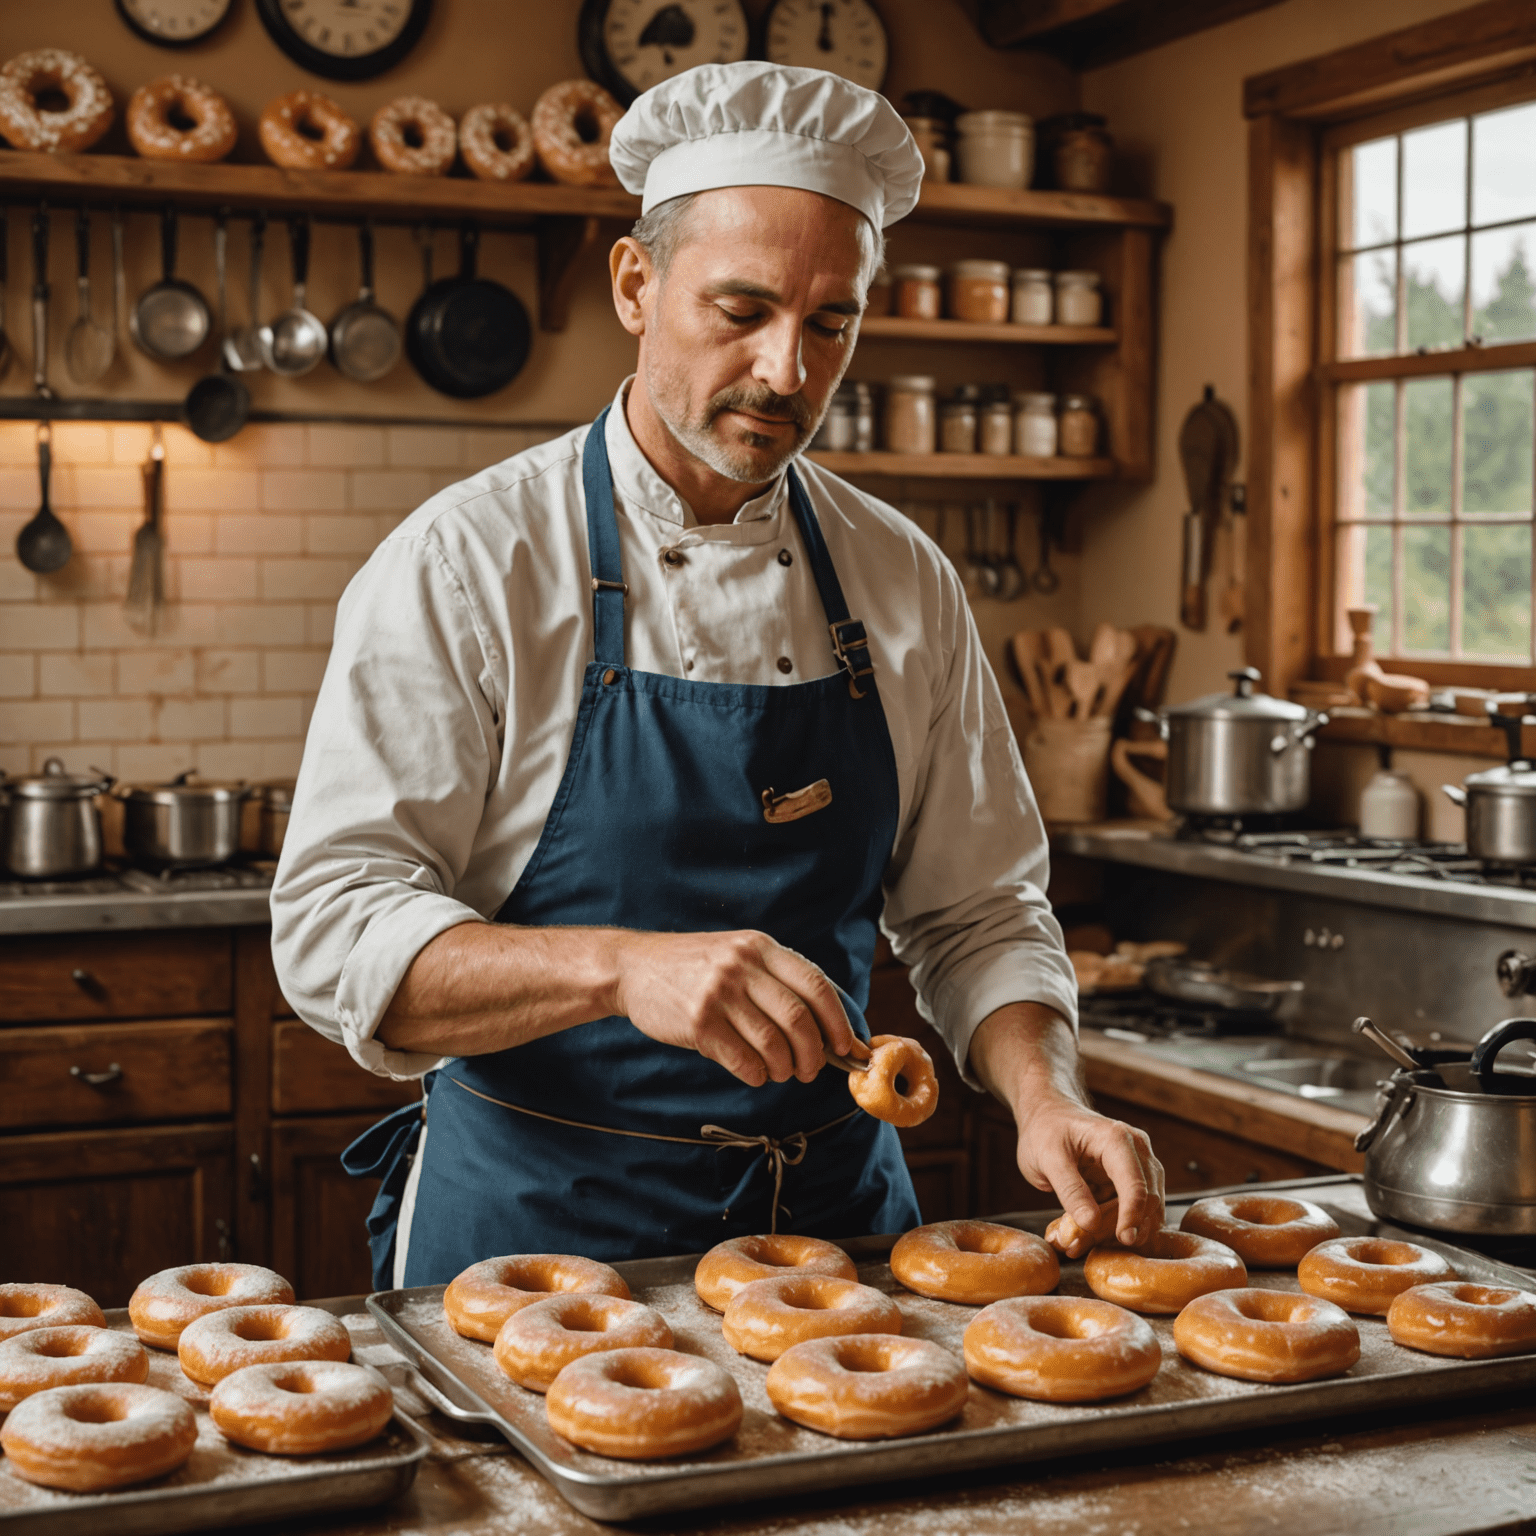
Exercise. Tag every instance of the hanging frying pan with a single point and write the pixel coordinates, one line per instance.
(467, 336)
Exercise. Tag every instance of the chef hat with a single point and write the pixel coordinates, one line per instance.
(766, 125)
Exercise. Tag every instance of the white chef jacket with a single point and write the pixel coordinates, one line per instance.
(449, 703)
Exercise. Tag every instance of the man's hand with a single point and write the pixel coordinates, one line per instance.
(760, 1010)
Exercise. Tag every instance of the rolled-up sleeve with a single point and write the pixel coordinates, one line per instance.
(401, 748)
(965, 890)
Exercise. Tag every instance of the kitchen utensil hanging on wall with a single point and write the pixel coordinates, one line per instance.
(218, 404)
(88, 347)
(242, 347)
(171, 319)
(40, 295)
(1208, 451)
(365, 338)
(146, 577)
(294, 341)
(44, 545)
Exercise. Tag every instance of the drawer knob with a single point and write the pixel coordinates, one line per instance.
(97, 1079)
(87, 983)
(1193, 1167)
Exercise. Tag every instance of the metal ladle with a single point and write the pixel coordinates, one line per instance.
(218, 404)
(44, 545)
(242, 348)
(1379, 1037)
(294, 341)
(171, 319)
(89, 347)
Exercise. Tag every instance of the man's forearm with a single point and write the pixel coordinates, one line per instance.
(1023, 1051)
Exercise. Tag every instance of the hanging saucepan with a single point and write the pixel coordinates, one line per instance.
(467, 336)
(294, 341)
(365, 338)
(171, 319)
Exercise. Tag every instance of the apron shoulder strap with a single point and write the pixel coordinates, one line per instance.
(608, 588)
(850, 642)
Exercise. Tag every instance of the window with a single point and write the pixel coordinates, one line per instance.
(1428, 375)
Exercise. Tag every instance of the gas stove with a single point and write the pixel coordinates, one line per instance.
(116, 879)
(120, 896)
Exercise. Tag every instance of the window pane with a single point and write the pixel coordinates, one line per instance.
(1371, 179)
(1503, 293)
(1503, 181)
(1435, 179)
(1496, 591)
(1368, 305)
(1426, 589)
(1434, 290)
(1427, 449)
(1497, 450)
(1366, 461)
(1365, 576)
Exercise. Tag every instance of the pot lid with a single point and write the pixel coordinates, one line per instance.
(55, 783)
(1243, 703)
(1516, 778)
(180, 791)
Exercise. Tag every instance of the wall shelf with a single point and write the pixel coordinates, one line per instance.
(964, 466)
(895, 328)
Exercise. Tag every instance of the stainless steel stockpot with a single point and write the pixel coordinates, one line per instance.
(1239, 754)
(276, 802)
(52, 826)
(1450, 1147)
(1500, 802)
(182, 824)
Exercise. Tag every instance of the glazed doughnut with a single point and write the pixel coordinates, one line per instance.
(302, 1407)
(1061, 1349)
(306, 131)
(572, 123)
(1264, 1231)
(165, 1303)
(24, 1307)
(764, 1318)
(974, 1262)
(496, 142)
(223, 1342)
(156, 112)
(1467, 1322)
(88, 1438)
(537, 1342)
(739, 1260)
(413, 137)
(87, 115)
(480, 1300)
(877, 1091)
(638, 1404)
(1364, 1274)
(1259, 1335)
(1163, 1274)
(867, 1386)
(64, 1357)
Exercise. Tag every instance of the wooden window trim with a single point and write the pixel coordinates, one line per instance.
(1483, 54)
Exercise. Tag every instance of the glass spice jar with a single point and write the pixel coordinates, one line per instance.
(1079, 426)
(1034, 299)
(957, 426)
(978, 292)
(917, 292)
(1034, 424)
(930, 134)
(863, 418)
(995, 149)
(1078, 300)
(995, 432)
(910, 424)
(1081, 154)
(836, 433)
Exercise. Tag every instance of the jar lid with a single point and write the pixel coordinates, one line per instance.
(957, 408)
(916, 273)
(1031, 275)
(55, 783)
(1079, 403)
(991, 121)
(925, 124)
(1077, 279)
(995, 405)
(988, 271)
(913, 383)
(1035, 400)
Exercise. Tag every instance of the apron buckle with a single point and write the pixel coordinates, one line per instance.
(850, 645)
(798, 803)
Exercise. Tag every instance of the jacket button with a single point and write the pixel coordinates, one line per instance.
(785, 558)
(673, 556)
(785, 664)
(609, 675)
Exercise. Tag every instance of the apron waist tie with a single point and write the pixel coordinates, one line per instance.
(781, 1152)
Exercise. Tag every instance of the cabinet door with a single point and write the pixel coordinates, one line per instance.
(319, 1212)
(313, 1075)
(100, 1210)
(115, 975)
(942, 1181)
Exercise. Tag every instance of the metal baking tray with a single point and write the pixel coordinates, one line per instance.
(222, 1485)
(772, 1457)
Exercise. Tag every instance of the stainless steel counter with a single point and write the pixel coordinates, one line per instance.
(98, 912)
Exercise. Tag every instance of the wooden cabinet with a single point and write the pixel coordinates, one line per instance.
(314, 1076)
(115, 976)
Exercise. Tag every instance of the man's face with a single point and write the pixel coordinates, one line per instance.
(753, 325)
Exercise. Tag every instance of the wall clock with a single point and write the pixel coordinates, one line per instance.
(345, 39)
(846, 37)
(631, 45)
(174, 23)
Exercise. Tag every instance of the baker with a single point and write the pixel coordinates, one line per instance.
(629, 746)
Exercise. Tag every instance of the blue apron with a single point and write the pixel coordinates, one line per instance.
(684, 807)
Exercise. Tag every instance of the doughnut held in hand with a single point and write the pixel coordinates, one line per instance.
(305, 131)
(1061, 1349)
(1258, 1335)
(1364, 1274)
(974, 1262)
(24, 1306)
(868, 1386)
(1464, 1321)
(167, 1302)
(28, 82)
(572, 123)
(1163, 1274)
(739, 1260)
(899, 1085)
(1264, 1231)
(65, 1357)
(89, 1438)
(412, 136)
(485, 1295)
(496, 142)
(766, 1317)
(640, 1404)
(176, 118)
(301, 1408)
(224, 1342)
(537, 1342)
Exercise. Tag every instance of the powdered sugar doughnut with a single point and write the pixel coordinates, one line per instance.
(221, 1343)
(301, 1408)
(165, 1303)
(92, 1437)
(65, 1357)
(537, 1342)
(24, 1307)
(306, 131)
(572, 123)
(868, 1386)
(496, 142)
(153, 111)
(87, 115)
(481, 1299)
(413, 137)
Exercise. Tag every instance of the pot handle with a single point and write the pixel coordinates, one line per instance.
(1493, 1042)
(1156, 717)
(1393, 1103)
(1455, 794)
(1305, 731)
